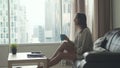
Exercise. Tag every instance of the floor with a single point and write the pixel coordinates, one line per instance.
(34, 66)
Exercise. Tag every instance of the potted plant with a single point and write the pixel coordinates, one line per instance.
(14, 48)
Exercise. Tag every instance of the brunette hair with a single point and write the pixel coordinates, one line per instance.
(81, 17)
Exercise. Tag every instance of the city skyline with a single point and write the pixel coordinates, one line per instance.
(31, 24)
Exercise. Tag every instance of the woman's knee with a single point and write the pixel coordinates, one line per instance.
(64, 43)
(62, 47)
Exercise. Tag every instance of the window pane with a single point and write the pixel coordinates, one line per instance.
(52, 20)
(35, 21)
(3, 22)
(66, 13)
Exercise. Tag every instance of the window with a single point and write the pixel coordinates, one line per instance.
(3, 20)
(34, 21)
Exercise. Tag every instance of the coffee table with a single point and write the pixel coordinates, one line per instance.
(21, 58)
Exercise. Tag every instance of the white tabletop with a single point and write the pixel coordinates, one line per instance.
(23, 56)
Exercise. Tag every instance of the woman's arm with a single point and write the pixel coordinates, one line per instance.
(68, 40)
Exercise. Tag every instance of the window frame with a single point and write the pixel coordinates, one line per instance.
(8, 23)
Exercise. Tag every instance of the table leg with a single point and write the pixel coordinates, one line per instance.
(9, 65)
(46, 64)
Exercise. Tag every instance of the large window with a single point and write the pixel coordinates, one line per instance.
(4, 22)
(34, 21)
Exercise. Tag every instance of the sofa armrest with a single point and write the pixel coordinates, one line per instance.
(102, 57)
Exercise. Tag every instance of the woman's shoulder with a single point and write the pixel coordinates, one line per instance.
(86, 30)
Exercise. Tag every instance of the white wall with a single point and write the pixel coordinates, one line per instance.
(47, 49)
(3, 55)
(116, 13)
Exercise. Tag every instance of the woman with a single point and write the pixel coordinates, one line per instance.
(73, 50)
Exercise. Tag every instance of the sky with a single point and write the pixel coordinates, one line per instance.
(35, 10)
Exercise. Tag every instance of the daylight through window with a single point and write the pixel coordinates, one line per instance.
(34, 21)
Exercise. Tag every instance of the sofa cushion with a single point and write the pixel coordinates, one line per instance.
(112, 37)
(103, 43)
(100, 44)
(115, 43)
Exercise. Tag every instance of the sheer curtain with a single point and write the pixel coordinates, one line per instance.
(77, 6)
(82, 6)
(99, 16)
(89, 10)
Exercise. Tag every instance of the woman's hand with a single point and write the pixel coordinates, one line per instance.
(66, 38)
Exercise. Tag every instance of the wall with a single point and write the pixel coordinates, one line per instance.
(116, 13)
(47, 49)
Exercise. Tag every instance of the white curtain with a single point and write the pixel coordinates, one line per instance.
(76, 6)
(81, 6)
(72, 25)
(89, 10)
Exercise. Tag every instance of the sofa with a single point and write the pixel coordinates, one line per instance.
(106, 52)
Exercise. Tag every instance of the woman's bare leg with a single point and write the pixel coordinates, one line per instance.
(54, 60)
(60, 56)
(60, 49)
(57, 55)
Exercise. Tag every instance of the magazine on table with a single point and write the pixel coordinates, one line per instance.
(35, 54)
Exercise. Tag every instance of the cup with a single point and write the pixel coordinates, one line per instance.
(62, 36)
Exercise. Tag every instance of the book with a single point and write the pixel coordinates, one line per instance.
(35, 55)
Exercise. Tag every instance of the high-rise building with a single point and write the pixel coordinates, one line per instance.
(57, 21)
(3, 22)
(52, 20)
(38, 33)
(41, 34)
(49, 20)
(17, 22)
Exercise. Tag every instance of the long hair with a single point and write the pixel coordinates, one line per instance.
(81, 17)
